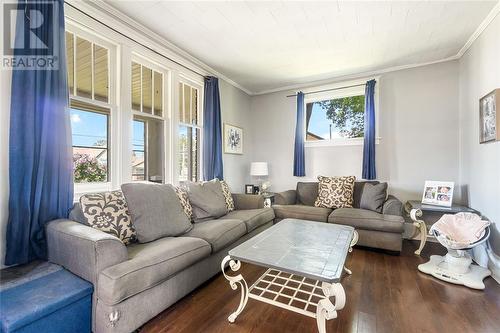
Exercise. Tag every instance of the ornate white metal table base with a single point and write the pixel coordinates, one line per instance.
(415, 215)
(290, 291)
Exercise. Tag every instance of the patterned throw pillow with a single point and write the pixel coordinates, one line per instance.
(335, 192)
(108, 212)
(184, 199)
(227, 196)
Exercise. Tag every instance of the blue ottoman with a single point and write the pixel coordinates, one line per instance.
(55, 302)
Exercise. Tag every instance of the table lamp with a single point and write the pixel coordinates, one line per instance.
(259, 169)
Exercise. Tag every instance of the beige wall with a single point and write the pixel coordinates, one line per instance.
(418, 127)
(480, 163)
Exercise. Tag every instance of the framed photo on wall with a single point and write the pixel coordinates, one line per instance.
(489, 119)
(438, 193)
(233, 139)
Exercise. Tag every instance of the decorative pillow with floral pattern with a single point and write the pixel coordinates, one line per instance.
(227, 196)
(335, 192)
(108, 212)
(182, 193)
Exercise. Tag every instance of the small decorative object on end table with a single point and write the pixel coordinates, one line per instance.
(268, 199)
(249, 189)
(416, 210)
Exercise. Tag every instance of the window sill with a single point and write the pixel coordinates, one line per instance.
(84, 188)
(338, 142)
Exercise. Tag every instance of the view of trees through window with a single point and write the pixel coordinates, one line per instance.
(335, 118)
(90, 145)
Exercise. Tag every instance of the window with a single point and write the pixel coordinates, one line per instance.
(148, 124)
(336, 118)
(88, 72)
(89, 127)
(189, 133)
(88, 83)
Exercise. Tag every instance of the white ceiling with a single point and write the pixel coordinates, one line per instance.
(269, 45)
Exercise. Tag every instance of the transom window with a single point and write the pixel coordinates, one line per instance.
(88, 68)
(147, 90)
(335, 118)
(189, 133)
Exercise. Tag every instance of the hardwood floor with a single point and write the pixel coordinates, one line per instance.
(385, 293)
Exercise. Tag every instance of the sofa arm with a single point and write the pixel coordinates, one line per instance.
(248, 201)
(83, 250)
(285, 198)
(392, 206)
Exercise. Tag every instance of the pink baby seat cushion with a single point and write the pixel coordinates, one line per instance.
(459, 231)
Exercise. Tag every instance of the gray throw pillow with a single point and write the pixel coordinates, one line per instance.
(156, 211)
(373, 197)
(207, 200)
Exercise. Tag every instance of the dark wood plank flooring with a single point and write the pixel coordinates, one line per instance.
(385, 293)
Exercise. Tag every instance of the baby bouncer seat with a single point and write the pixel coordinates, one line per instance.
(459, 233)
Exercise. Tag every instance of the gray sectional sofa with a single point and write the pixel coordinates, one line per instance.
(376, 230)
(134, 283)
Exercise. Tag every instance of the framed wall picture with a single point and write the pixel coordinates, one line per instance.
(249, 189)
(233, 139)
(489, 120)
(438, 193)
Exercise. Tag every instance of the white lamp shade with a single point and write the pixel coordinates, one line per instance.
(258, 169)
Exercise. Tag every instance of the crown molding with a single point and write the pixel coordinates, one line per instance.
(487, 20)
(112, 16)
(353, 76)
(107, 14)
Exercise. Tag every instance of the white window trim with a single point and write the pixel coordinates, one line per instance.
(166, 118)
(114, 144)
(179, 78)
(347, 92)
(120, 95)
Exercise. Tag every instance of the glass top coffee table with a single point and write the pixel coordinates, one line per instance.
(305, 261)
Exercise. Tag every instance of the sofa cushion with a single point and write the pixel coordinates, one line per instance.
(335, 192)
(358, 191)
(156, 211)
(219, 233)
(207, 200)
(367, 220)
(373, 197)
(253, 218)
(307, 193)
(302, 212)
(108, 212)
(149, 264)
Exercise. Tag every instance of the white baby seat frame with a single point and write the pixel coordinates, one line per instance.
(456, 266)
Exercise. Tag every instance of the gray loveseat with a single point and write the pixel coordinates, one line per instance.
(376, 230)
(134, 283)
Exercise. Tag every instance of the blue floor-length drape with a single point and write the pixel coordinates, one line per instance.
(40, 160)
(369, 171)
(212, 131)
(299, 168)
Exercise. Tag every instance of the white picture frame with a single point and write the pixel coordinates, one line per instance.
(438, 193)
(233, 139)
